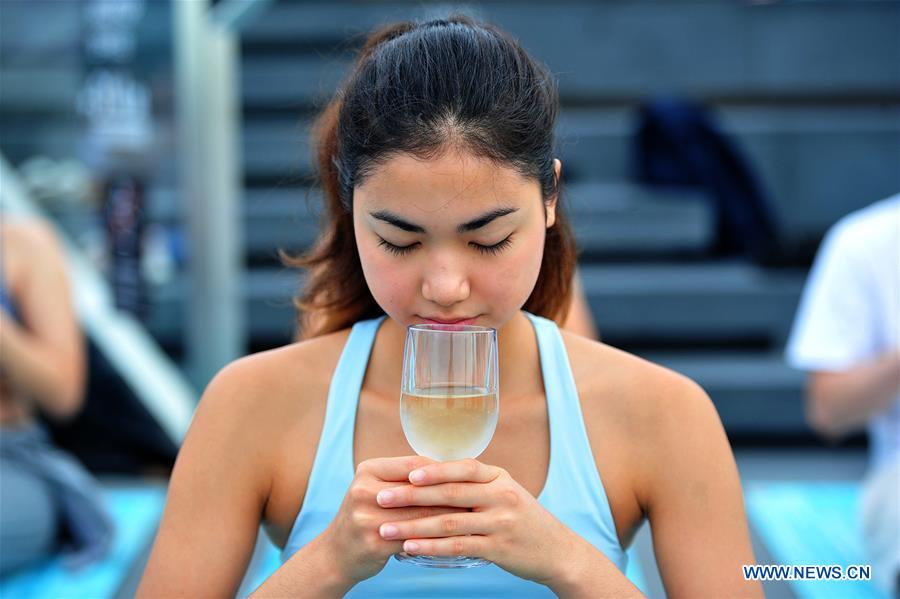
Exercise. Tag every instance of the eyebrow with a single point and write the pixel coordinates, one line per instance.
(475, 223)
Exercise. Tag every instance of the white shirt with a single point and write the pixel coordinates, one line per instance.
(850, 309)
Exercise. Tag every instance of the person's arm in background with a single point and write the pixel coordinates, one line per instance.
(43, 358)
(580, 320)
(839, 403)
(838, 334)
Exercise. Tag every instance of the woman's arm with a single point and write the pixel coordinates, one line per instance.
(587, 572)
(693, 498)
(43, 358)
(217, 493)
(311, 568)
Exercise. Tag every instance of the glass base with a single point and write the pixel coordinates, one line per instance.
(431, 561)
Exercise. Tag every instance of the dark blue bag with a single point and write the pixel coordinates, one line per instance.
(678, 144)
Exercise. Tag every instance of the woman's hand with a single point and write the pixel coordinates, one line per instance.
(352, 539)
(508, 525)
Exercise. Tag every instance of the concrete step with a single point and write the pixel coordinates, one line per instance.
(614, 50)
(726, 303)
(815, 162)
(664, 304)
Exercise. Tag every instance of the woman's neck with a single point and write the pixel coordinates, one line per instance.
(519, 361)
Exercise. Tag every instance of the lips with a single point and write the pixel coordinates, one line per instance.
(456, 321)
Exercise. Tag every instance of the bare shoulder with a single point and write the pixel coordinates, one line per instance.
(269, 385)
(641, 401)
(667, 458)
(627, 382)
(268, 397)
(226, 467)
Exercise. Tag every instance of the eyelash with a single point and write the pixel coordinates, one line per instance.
(484, 249)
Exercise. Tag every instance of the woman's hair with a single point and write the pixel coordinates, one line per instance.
(422, 89)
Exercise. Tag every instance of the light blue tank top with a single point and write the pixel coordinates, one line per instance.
(573, 491)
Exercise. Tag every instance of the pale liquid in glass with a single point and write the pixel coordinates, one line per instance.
(449, 423)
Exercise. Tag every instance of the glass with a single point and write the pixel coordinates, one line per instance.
(449, 402)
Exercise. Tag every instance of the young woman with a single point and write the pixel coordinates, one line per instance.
(437, 163)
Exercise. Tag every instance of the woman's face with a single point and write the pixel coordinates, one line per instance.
(455, 238)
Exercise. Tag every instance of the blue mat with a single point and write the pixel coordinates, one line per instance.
(136, 512)
(263, 565)
(812, 523)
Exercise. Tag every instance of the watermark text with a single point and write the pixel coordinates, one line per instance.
(807, 572)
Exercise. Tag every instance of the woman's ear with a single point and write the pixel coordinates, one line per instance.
(551, 203)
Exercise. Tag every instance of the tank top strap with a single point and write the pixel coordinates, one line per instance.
(573, 474)
(332, 470)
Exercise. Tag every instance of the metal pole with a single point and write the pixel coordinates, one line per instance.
(234, 15)
(208, 134)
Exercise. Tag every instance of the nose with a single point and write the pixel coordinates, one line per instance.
(445, 284)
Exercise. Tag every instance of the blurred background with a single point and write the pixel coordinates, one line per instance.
(707, 146)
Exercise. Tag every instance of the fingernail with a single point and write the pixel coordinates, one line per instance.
(385, 497)
(388, 531)
(416, 476)
(410, 546)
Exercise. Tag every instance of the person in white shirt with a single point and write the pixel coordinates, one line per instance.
(846, 335)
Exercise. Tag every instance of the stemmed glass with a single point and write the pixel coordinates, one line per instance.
(449, 402)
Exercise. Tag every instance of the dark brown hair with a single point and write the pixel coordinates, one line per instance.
(417, 88)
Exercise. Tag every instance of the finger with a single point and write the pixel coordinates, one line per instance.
(448, 494)
(469, 546)
(469, 470)
(391, 547)
(419, 512)
(392, 469)
(447, 525)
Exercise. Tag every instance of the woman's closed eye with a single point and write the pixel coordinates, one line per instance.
(401, 250)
